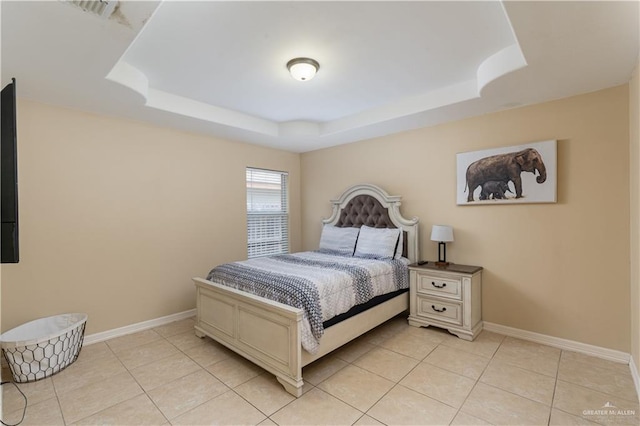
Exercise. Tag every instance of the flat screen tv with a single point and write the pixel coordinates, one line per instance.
(9, 252)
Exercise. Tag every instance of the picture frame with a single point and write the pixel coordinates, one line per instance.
(509, 175)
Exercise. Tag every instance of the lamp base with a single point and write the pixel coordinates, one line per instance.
(442, 255)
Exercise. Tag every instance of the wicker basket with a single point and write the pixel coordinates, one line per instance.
(43, 347)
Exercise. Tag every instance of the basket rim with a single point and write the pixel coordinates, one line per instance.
(82, 318)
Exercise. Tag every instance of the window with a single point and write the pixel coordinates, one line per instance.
(267, 213)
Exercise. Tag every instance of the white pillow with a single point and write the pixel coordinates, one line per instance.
(338, 240)
(377, 243)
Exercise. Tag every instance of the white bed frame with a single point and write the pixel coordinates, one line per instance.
(267, 333)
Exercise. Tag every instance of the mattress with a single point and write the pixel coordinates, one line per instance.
(323, 285)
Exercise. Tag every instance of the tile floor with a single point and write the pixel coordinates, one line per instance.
(395, 374)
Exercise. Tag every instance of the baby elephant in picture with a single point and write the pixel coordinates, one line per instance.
(494, 189)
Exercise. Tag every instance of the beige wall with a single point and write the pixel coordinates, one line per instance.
(117, 216)
(634, 138)
(557, 269)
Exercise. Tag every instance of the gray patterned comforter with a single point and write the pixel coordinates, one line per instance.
(323, 285)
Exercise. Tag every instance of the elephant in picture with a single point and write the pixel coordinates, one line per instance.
(494, 189)
(505, 168)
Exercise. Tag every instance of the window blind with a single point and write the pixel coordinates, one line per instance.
(267, 213)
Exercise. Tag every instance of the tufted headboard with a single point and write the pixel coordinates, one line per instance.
(365, 210)
(370, 205)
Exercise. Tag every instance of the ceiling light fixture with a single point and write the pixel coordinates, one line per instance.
(303, 69)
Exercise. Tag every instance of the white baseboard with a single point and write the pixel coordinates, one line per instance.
(134, 328)
(569, 345)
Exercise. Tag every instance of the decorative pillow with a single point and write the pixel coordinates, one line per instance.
(377, 243)
(338, 240)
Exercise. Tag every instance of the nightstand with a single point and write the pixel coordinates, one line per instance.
(449, 297)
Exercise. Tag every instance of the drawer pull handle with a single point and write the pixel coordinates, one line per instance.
(438, 310)
(438, 286)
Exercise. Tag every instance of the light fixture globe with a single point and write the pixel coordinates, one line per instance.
(303, 69)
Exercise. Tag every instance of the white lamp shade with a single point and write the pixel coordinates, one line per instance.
(442, 233)
(303, 69)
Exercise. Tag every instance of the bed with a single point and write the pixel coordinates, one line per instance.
(269, 333)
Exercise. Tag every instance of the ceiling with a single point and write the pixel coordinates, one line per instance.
(219, 68)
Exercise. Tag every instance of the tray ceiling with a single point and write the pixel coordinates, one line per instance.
(219, 68)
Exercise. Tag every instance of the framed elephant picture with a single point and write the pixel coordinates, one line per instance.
(515, 174)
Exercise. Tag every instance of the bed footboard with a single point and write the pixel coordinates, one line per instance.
(265, 332)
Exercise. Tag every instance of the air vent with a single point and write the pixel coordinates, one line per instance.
(101, 8)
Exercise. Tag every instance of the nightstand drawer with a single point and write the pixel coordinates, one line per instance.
(444, 311)
(441, 287)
